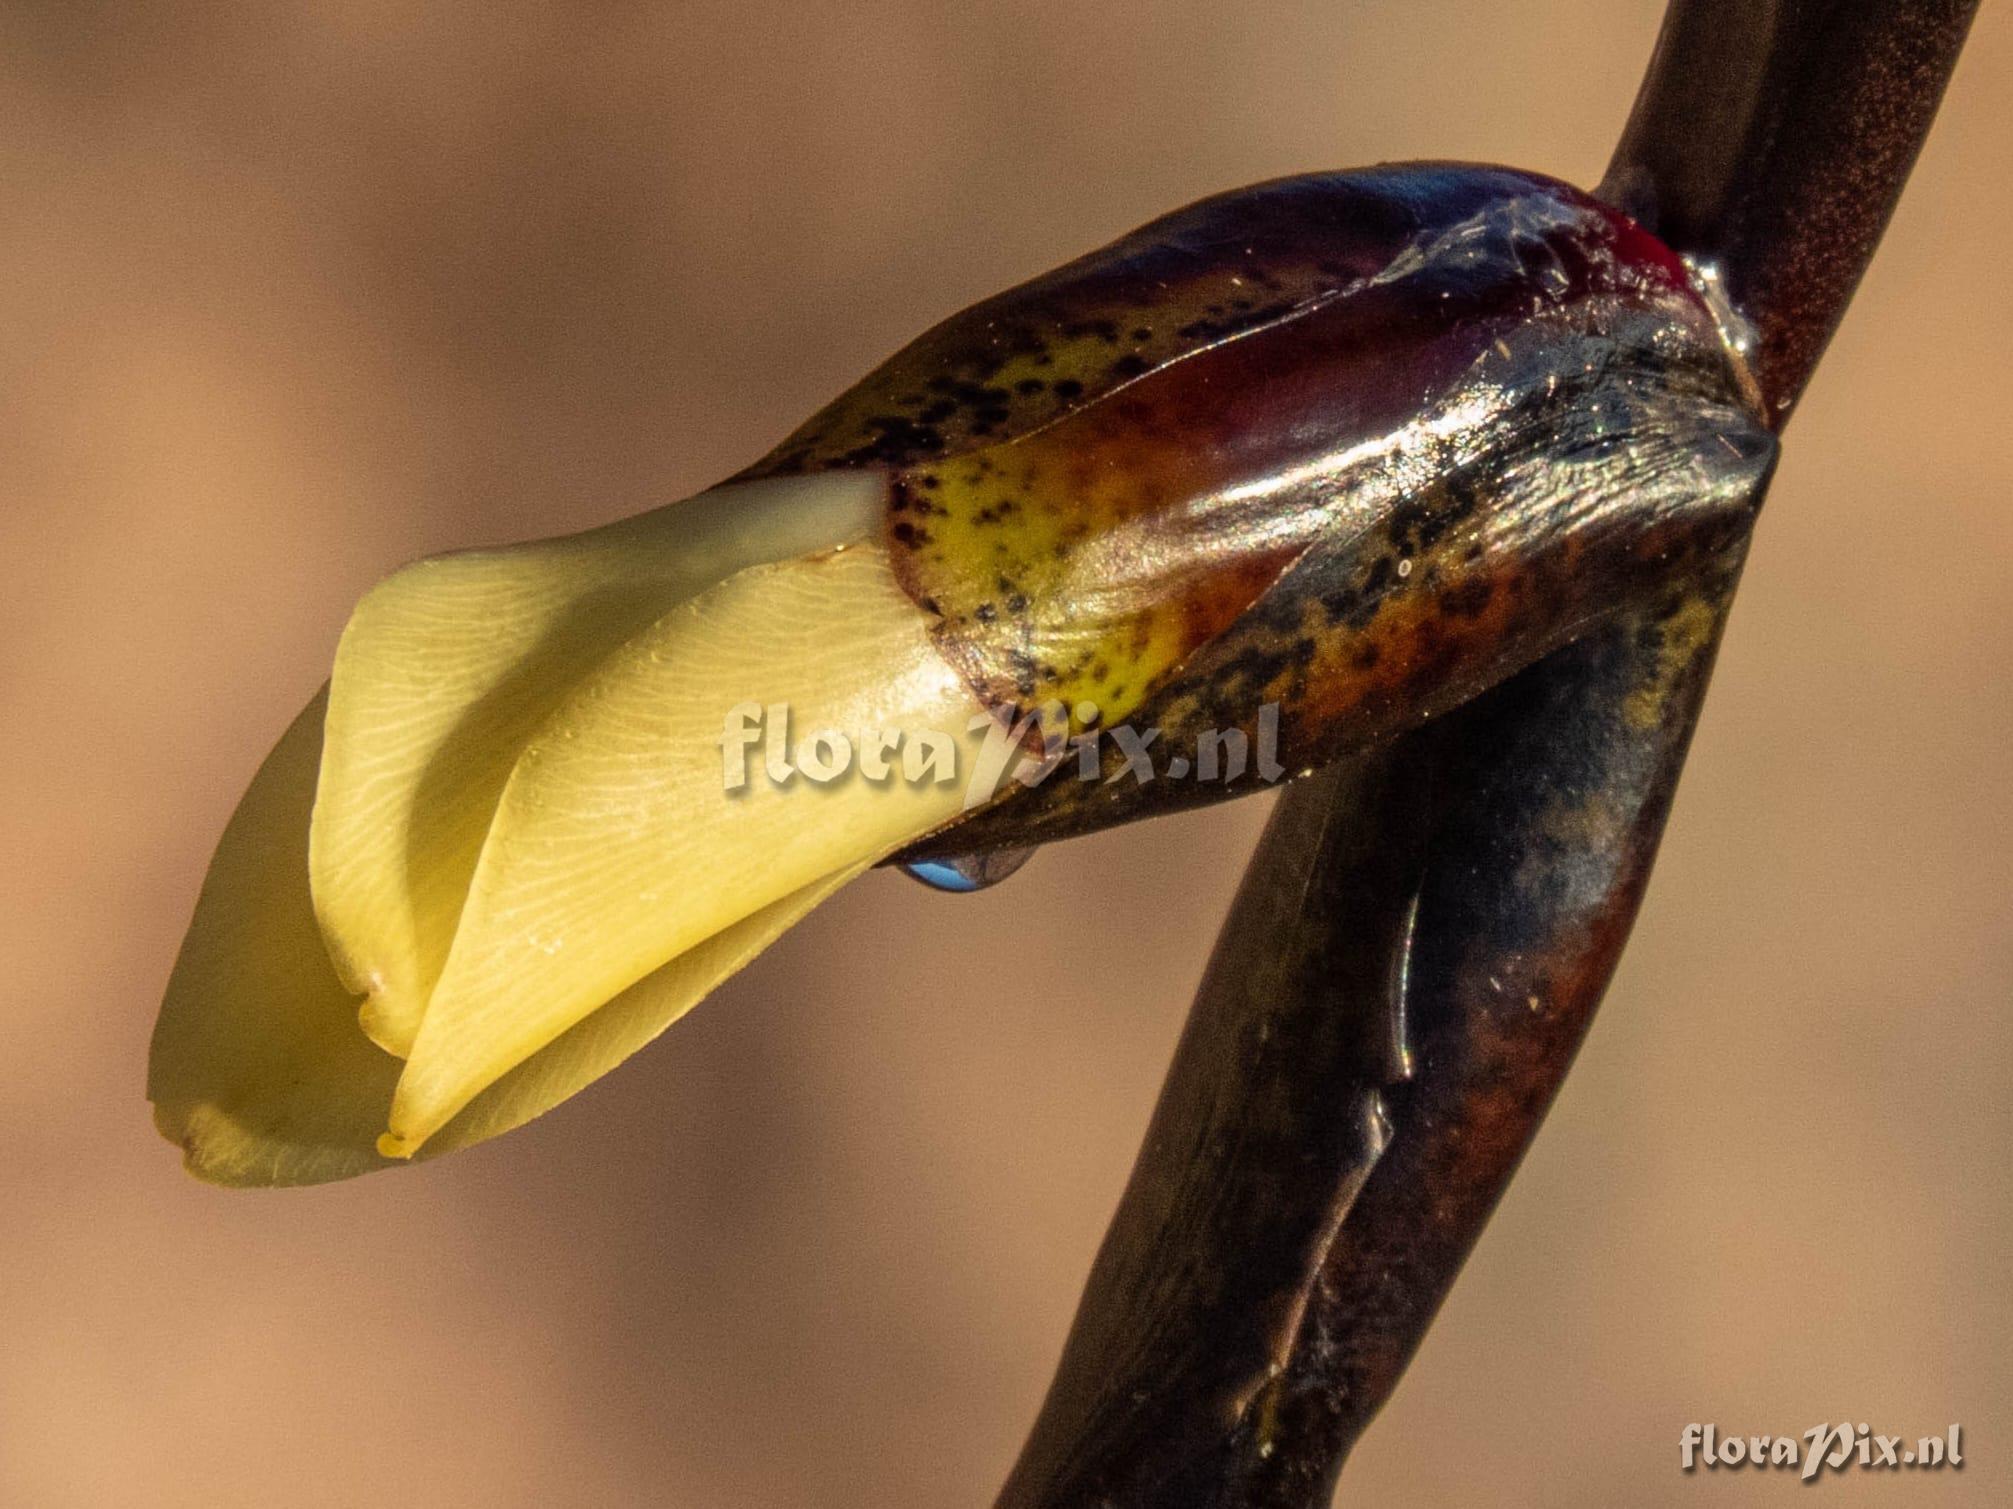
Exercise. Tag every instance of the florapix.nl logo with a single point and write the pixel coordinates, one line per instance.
(1027, 747)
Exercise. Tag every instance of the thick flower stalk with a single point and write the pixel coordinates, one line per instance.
(1293, 470)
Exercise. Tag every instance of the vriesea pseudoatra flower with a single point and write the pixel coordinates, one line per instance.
(1341, 450)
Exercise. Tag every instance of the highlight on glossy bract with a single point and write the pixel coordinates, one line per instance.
(495, 856)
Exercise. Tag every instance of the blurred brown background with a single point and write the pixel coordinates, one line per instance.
(289, 294)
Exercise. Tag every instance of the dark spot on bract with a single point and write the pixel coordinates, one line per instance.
(1469, 598)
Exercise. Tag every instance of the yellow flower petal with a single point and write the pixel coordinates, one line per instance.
(258, 1070)
(448, 666)
(588, 1050)
(616, 845)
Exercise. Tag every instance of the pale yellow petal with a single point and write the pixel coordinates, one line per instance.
(258, 1070)
(447, 667)
(616, 845)
(589, 1049)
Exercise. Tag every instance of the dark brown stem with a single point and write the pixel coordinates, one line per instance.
(1772, 138)
(1203, 1283)
(1410, 966)
(1422, 939)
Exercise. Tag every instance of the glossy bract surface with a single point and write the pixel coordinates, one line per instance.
(1351, 446)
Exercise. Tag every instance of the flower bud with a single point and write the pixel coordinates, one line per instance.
(1307, 463)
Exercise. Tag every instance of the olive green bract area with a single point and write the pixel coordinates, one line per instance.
(1354, 446)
